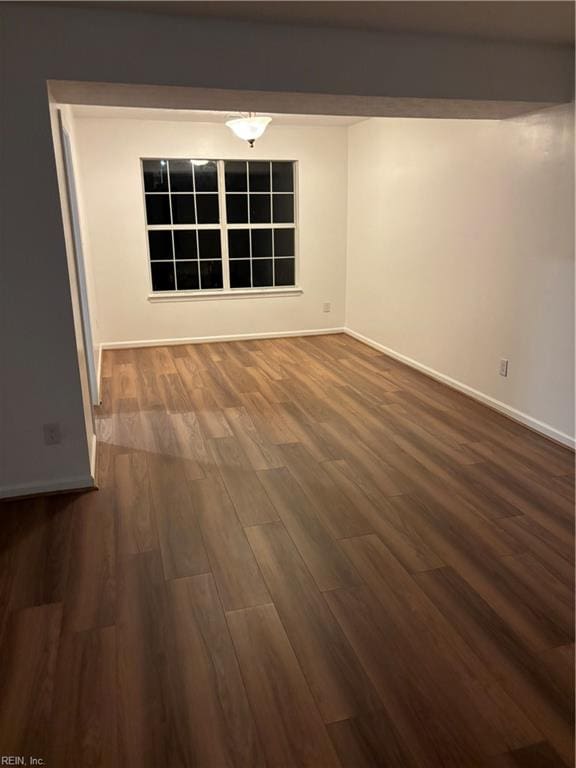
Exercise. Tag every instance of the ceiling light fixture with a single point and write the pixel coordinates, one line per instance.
(248, 127)
(199, 162)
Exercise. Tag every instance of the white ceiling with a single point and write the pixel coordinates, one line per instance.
(518, 20)
(204, 116)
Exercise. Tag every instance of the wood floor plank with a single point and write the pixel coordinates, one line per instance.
(189, 372)
(369, 470)
(410, 701)
(250, 500)
(267, 420)
(327, 564)
(35, 544)
(539, 755)
(210, 416)
(289, 724)
(238, 578)
(147, 384)
(27, 670)
(519, 670)
(552, 510)
(261, 454)
(559, 663)
(490, 576)
(124, 380)
(219, 386)
(83, 723)
(336, 509)
(553, 553)
(192, 448)
(437, 657)
(135, 524)
(307, 434)
(181, 543)
(369, 741)
(213, 725)
(548, 591)
(336, 679)
(393, 528)
(90, 598)
(142, 700)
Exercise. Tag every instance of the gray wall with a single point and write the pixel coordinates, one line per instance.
(41, 374)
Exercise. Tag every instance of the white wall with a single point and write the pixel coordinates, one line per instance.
(461, 252)
(109, 152)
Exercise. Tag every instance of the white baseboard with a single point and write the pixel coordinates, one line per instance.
(208, 339)
(80, 483)
(491, 402)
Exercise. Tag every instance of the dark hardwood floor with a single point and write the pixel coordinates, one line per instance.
(302, 553)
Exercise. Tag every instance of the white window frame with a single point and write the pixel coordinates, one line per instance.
(226, 291)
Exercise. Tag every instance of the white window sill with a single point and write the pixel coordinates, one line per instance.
(239, 293)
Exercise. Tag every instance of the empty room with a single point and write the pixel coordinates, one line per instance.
(287, 384)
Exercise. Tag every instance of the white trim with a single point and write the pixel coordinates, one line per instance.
(99, 376)
(208, 339)
(79, 483)
(93, 449)
(491, 402)
(232, 293)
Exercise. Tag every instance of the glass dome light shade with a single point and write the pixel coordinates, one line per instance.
(248, 128)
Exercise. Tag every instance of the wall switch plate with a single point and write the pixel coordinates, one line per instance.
(327, 307)
(503, 367)
(52, 435)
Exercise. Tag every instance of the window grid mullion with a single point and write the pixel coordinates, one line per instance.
(223, 224)
(196, 228)
(272, 222)
(171, 230)
(249, 224)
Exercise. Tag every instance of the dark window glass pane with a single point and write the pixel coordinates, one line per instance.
(183, 209)
(284, 271)
(157, 209)
(282, 177)
(239, 243)
(160, 242)
(259, 209)
(209, 241)
(181, 176)
(283, 242)
(237, 209)
(261, 243)
(162, 275)
(185, 244)
(259, 177)
(187, 275)
(240, 274)
(206, 177)
(283, 209)
(211, 274)
(207, 208)
(235, 176)
(262, 273)
(155, 175)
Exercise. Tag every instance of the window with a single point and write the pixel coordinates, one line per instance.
(224, 225)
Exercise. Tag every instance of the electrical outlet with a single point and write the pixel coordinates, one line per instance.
(327, 307)
(52, 434)
(503, 371)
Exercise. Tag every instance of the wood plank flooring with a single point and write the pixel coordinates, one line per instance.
(303, 554)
